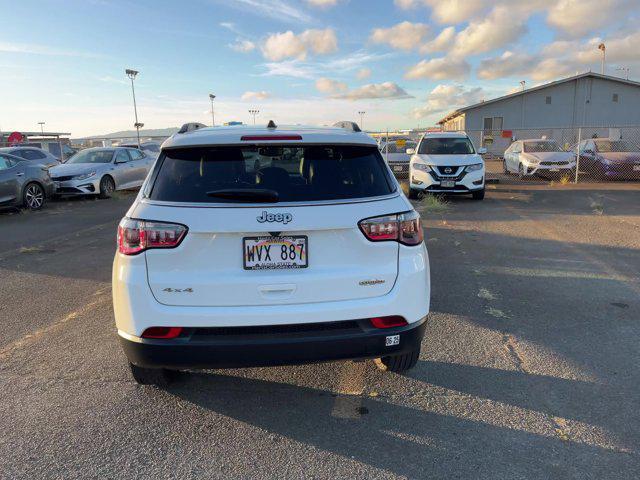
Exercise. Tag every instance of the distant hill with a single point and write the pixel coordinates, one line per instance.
(149, 132)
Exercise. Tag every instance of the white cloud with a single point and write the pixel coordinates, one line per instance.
(386, 90)
(276, 9)
(284, 45)
(562, 58)
(579, 17)
(33, 49)
(449, 11)
(326, 85)
(363, 73)
(448, 97)
(280, 46)
(320, 41)
(315, 69)
(403, 36)
(501, 27)
(439, 69)
(262, 95)
(242, 46)
(441, 43)
(323, 3)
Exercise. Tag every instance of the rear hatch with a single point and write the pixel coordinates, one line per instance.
(271, 225)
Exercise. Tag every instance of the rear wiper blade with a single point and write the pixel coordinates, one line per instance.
(261, 195)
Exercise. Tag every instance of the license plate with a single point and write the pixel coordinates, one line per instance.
(397, 168)
(447, 183)
(636, 168)
(275, 253)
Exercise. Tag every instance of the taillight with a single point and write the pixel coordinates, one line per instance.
(135, 236)
(405, 228)
(388, 322)
(162, 332)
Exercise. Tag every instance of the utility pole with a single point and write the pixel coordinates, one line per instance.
(603, 48)
(213, 118)
(132, 75)
(42, 126)
(254, 112)
(361, 113)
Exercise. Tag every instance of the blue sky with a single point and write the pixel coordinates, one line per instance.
(405, 62)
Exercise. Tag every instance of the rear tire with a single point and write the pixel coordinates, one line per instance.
(33, 196)
(479, 195)
(402, 362)
(160, 377)
(107, 187)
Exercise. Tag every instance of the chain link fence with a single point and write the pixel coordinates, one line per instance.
(565, 155)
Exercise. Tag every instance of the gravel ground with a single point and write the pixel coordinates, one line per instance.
(529, 366)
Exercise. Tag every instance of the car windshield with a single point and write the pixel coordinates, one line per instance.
(541, 146)
(446, 146)
(615, 146)
(232, 174)
(92, 156)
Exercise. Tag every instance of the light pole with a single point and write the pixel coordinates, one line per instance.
(624, 69)
(132, 75)
(603, 48)
(361, 113)
(213, 118)
(254, 112)
(522, 84)
(42, 124)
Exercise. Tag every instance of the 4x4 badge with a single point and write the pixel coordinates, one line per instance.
(275, 217)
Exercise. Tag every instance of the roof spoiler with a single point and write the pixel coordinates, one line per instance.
(190, 127)
(353, 126)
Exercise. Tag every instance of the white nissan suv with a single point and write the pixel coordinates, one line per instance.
(269, 246)
(447, 162)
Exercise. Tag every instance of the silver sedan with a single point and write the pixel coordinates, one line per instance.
(101, 171)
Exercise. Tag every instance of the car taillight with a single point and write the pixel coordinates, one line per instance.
(405, 228)
(388, 322)
(135, 236)
(162, 332)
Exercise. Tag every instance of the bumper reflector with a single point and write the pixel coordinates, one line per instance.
(162, 332)
(388, 322)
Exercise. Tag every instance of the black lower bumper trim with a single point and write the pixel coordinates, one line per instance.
(272, 350)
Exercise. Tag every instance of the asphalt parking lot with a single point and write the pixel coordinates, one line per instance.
(529, 367)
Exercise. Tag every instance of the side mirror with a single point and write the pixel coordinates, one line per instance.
(482, 151)
(410, 151)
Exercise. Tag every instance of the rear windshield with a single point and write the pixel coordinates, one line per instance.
(446, 146)
(270, 174)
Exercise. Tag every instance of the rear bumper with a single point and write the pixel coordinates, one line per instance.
(234, 350)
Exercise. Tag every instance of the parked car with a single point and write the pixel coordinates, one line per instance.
(316, 256)
(538, 157)
(32, 155)
(101, 171)
(447, 162)
(609, 159)
(151, 149)
(23, 184)
(395, 153)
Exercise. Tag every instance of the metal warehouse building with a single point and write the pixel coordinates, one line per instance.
(588, 99)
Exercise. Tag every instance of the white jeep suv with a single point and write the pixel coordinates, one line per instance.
(447, 162)
(269, 246)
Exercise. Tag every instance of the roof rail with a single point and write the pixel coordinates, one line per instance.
(190, 127)
(353, 126)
